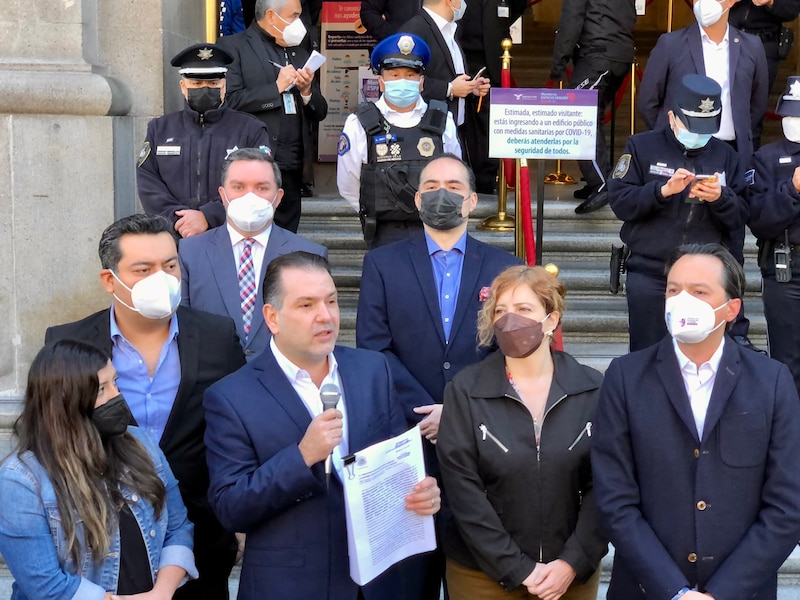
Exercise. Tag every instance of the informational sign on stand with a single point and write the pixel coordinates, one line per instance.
(346, 44)
(542, 123)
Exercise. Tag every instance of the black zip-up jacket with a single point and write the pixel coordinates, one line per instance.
(653, 225)
(532, 503)
(596, 28)
(750, 18)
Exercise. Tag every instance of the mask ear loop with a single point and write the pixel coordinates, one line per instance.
(117, 298)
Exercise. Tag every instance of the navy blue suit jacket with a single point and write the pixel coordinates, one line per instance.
(210, 282)
(398, 314)
(261, 486)
(721, 513)
(681, 52)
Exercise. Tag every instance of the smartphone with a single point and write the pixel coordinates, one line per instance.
(704, 179)
(479, 73)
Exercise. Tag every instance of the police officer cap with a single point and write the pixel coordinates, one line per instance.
(400, 50)
(699, 104)
(789, 101)
(202, 61)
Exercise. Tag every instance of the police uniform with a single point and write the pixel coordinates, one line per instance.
(653, 226)
(382, 150)
(775, 221)
(180, 164)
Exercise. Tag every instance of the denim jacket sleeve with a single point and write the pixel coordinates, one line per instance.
(26, 542)
(178, 540)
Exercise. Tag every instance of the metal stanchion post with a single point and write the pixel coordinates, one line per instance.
(559, 177)
(501, 221)
(212, 20)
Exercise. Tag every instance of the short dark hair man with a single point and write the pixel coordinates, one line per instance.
(222, 269)
(179, 164)
(694, 452)
(165, 356)
(268, 437)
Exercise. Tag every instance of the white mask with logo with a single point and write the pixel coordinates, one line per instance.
(156, 296)
(689, 319)
(250, 213)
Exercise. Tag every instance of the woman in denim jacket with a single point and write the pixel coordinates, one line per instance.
(89, 507)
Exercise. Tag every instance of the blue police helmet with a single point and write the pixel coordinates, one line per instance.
(698, 103)
(789, 101)
(400, 50)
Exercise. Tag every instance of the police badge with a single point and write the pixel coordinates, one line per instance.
(622, 167)
(381, 149)
(425, 147)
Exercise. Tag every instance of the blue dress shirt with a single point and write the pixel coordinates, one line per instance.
(149, 398)
(447, 265)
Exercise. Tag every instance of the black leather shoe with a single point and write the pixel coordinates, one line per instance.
(745, 342)
(594, 202)
(306, 191)
(584, 192)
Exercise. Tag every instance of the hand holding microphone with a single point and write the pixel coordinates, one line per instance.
(325, 431)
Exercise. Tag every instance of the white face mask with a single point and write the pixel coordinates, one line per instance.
(689, 319)
(708, 12)
(791, 129)
(250, 213)
(294, 32)
(156, 296)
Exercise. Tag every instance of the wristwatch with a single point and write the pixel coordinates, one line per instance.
(450, 91)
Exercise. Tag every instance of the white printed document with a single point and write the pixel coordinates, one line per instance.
(315, 61)
(380, 531)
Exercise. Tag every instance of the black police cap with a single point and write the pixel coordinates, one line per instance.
(789, 101)
(699, 103)
(202, 61)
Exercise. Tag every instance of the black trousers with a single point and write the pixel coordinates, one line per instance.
(287, 215)
(214, 556)
(587, 71)
(782, 310)
(388, 232)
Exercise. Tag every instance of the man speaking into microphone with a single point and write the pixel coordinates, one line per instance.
(269, 435)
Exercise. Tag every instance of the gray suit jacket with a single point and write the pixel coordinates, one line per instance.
(209, 280)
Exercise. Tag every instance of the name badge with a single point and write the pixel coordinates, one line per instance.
(785, 160)
(289, 105)
(660, 169)
(168, 150)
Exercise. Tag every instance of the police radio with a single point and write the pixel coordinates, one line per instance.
(782, 255)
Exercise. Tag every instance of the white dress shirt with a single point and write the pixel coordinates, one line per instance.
(717, 62)
(348, 167)
(258, 249)
(699, 382)
(309, 394)
(448, 29)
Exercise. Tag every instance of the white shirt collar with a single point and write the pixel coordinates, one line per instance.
(707, 40)
(291, 370)
(387, 111)
(443, 24)
(261, 238)
(686, 364)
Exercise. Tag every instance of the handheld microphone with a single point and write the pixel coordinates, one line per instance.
(330, 395)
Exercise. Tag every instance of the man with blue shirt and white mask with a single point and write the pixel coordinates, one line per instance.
(165, 356)
(385, 145)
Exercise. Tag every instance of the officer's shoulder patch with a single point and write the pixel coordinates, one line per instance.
(344, 144)
(623, 164)
(750, 177)
(143, 154)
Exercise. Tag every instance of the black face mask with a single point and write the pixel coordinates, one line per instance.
(204, 99)
(441, 209)
(113, 417)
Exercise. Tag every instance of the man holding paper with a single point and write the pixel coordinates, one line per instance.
(271, 77)
(268, 440)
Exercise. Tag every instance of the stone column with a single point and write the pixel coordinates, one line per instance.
(80, 79)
